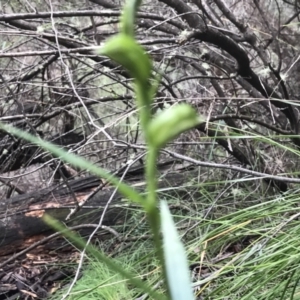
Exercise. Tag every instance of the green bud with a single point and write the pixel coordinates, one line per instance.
(124, 50)
(170, 123)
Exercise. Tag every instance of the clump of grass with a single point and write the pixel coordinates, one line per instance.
(250, 253)
(99, 282)
(246, 253)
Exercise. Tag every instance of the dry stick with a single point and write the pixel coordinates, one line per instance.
(235, 168)
(260, 175)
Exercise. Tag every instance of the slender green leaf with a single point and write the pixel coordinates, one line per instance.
(76, 161)
(80, 243)
(175, 258)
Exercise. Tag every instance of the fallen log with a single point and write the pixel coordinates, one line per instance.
(21, 216)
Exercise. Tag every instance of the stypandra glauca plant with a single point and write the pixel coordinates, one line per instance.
(158, 131)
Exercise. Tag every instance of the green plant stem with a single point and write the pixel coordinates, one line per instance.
(144, 101)
(144, 94)
(152, 211)
(151, 201)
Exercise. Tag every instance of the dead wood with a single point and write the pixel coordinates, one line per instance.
(21, 216)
